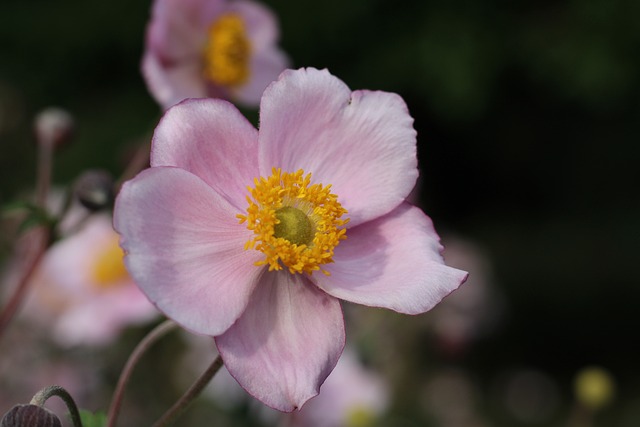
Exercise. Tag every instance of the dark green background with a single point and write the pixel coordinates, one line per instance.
(528, 130)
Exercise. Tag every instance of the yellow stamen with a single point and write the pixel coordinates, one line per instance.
(228, 50)
(109, 269)
(296, 224)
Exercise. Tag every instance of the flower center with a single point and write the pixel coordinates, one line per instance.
(109, 269)
(226, 56)
(293, 225)
(296, 224)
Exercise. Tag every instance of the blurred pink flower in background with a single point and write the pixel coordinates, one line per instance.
(473, 311)
(352, 396)
(211, 48)
(265, 279)
(83, 291)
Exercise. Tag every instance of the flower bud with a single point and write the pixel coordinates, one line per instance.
(30, 416)
(94, 189)
(53, 126)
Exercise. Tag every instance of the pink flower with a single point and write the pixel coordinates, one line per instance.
(260, 263)
(351, 396)
(83, 291)
(211, 48)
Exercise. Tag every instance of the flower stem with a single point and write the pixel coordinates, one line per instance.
(181, 405)
(36, 243)
(41, 397)
(45, 166)
(153, 336)
(139, 161)
(40, 236)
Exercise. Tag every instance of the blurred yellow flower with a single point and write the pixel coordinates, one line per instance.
(594, 387)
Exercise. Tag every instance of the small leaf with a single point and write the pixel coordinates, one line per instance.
(90, 419)
(35, 218)
(19, 205)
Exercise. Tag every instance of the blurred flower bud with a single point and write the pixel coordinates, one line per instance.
(594, 387)
(30, 416)
(53, 126)
(94, 189)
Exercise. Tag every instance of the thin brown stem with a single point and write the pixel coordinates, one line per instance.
(153, 336)
(35, 245)
(194, 391)
(139, 161)
(37, 241)
(45, 166)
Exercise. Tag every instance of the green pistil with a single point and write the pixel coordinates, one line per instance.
(294, 226)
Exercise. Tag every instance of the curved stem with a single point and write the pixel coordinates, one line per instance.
(36, 244)
(153, 336)
(139, 161)
(181, 405)
(41, 397)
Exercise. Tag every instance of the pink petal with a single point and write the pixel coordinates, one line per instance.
(185, 249)
(116, 310)
(211, 139)
(362, 143)
(266, 66)
(178, 28)
(267, 60)
(170, 84)
(350, 388)
(393, 262)
(260, 23)
(286, 343)
(68, 265)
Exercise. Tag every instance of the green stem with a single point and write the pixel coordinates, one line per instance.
(41, 397)
(153, 336)
(196, 388)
